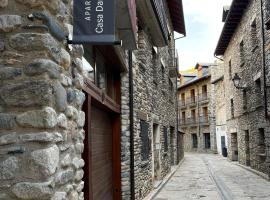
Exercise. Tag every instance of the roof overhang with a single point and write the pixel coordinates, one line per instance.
(234, 17)
(194, 81)
(177, 15)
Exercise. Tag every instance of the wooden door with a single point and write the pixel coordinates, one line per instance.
(102, 154)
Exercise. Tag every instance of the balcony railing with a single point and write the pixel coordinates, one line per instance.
(188, 122)
(182, 104)
(191, 101)
(203, 97)
(204, 120)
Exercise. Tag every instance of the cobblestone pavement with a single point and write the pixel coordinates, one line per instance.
(212, 177)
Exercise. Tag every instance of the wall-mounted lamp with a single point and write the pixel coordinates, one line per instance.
(237, 82)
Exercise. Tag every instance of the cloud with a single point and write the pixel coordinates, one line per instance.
(203, 24)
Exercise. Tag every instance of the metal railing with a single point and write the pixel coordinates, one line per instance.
(203, 97)
(191, 101)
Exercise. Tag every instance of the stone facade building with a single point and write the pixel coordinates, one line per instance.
(219, 106)
(244, 46)
(196, 120)
(84, 121)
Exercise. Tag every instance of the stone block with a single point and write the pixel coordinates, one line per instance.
(3, 3)
(72, 112)
(64, 177)
(65, 80)
(9, 22)
(27, 93)
(75, 97)
(60, 96)
(78, 163)
(59, 196)
(40, 66)
(79, 175)
(46, 118)
(44, 161)
(27, 190)
(81, 119)
(41, 137)
(7, 121)
(8, 168)
(9, 73)
(62, 121)
(8, 139)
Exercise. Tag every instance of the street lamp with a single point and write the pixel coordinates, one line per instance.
(236, 80)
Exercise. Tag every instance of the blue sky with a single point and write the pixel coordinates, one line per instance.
(203, 25)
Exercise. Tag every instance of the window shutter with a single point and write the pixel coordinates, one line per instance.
(145, 140)
(165, 133)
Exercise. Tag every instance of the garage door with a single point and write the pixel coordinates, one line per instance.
(101, 148)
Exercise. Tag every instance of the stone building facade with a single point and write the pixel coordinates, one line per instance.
(60, 103)
(219, 106)
(242, 48)
(195, 110)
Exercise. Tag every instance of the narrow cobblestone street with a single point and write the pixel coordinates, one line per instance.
(211, 177)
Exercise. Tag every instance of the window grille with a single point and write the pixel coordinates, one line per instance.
(145, 140)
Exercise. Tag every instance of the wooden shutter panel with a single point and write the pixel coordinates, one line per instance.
(165, 133)
(145, 140)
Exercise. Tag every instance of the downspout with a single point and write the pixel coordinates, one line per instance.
(264, 62)
(131, 119)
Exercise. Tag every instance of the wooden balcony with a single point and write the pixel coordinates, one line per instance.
(154, 17)
(127, 23)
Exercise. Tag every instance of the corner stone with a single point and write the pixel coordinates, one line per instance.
(45, 161)
(27, 190)
(46, 118)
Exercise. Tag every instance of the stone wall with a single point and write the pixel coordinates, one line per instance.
(246, 116)
(41, 135)
(153, 99)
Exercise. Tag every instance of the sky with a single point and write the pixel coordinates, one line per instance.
(203, 19)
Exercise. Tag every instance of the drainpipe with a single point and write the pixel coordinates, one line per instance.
(131, 119)
(264, 62)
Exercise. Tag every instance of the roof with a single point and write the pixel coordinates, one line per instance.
(226, 10)
(177, 15)
(195, 80)
(234, 17)
(217, 80)
(203, 65)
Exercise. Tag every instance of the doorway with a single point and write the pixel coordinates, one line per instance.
(234, 146)
(194, 141)
(156, 153)
(207, 141)
(102, 152)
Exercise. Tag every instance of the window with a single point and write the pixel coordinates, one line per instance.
(205, 114)
(193, 115)
(145, 140)
(244, 99)
(254, 37)
(230, 70)
(183, 99)
(163, 73)
(207, 141)
(242, 53)
(258, 86)
(204, 92)
(99, 71)
(194, 140)
(232, 108)
(261, 142)
(192, 96)
(183, 117)
(155, 56)
(165, 133)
